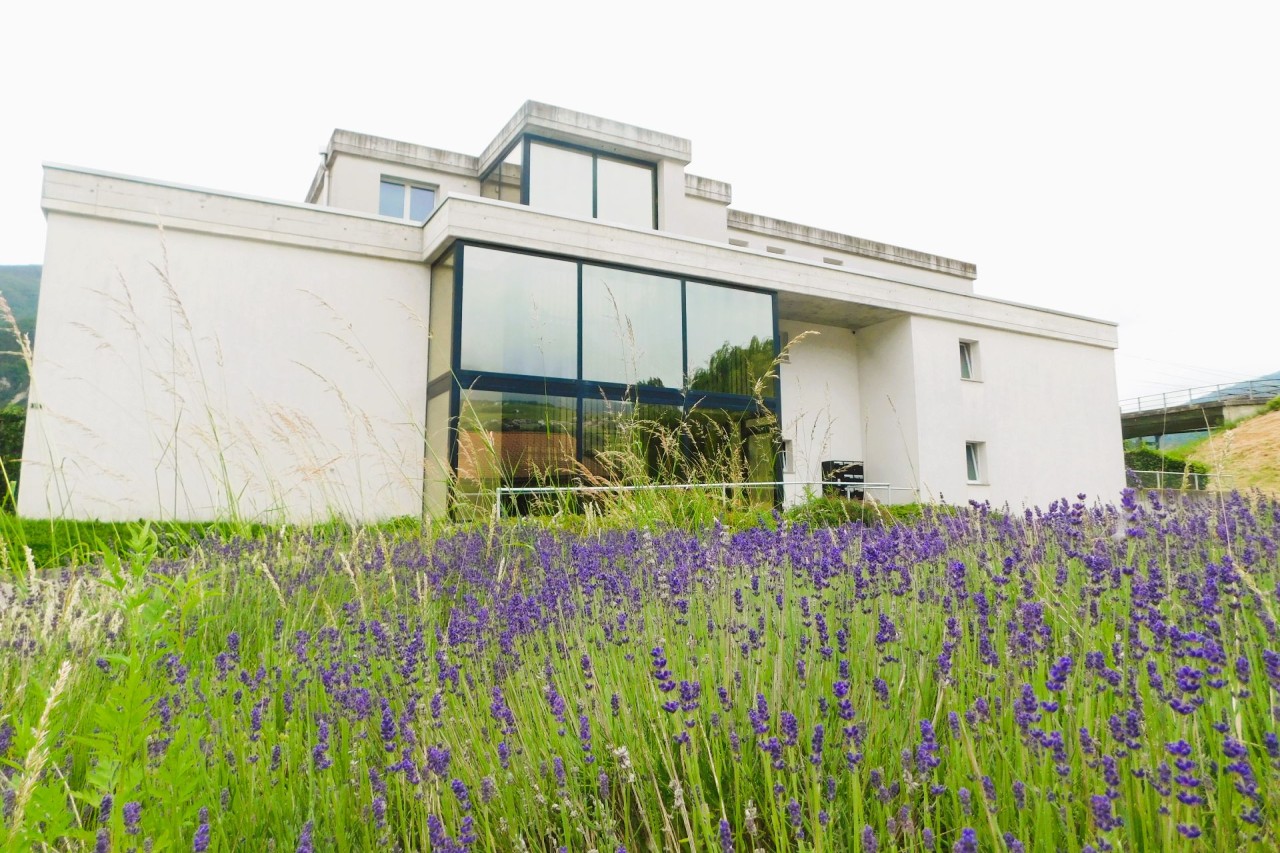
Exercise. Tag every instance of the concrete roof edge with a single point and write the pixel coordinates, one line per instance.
(708, 188)
(781, 228)
(396, 151)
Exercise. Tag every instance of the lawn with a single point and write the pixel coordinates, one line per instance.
(1081, 677)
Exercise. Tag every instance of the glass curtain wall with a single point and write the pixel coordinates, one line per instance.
(571, 180)
(567, 371)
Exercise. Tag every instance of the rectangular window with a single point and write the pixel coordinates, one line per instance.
(519, 314)
(579, 182)
(969, 360)
(560, 180)
(631, 328)
(730, 337)
(513, 439)
(405, 201)
(973, 460)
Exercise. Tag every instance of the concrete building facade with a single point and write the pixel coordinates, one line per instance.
(428, 325)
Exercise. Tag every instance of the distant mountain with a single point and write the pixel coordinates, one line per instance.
(20, 287)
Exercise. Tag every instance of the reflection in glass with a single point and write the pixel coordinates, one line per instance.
(391, 199)
(734, 446)
(509, 439)
(730, 339)
(624, 193)
(630, 328)
(560, 180)
(629, 442)
(519, 314)
(440, 341)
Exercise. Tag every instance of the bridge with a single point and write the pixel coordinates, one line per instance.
(1195, 408)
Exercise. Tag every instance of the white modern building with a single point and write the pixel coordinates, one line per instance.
(427, 325)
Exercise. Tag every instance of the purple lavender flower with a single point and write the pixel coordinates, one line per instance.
(927, 753)
(967, 843)
(104, 808)
(789, 727)
(726, 837)
(103, 844)
(1102, 816)
(132, 814)
(320, 752)
(200, 843)
(438, 758)
(869, 843)
(460, 791)
(304, 840)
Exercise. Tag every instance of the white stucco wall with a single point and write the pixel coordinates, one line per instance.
(1044, 409)
(821, 404)
(889, 423)
(189, 375)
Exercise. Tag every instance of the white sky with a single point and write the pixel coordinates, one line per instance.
(1114, 159)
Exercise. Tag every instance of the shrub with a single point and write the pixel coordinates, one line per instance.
(13, 422)
(1146, 459)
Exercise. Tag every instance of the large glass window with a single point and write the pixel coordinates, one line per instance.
(519, 314)
(560, 180)
(730, 339)
(631, 328)
(655, 381)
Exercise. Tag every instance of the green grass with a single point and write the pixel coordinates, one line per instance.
(205, 681)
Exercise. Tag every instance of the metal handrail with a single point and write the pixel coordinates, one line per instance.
(1174, 480)
(849, 488)
(1250, 391)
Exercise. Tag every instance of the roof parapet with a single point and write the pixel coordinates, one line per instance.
(408, 153)
(700, 187)
(768, 226)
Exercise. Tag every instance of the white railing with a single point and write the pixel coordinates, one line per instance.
(1178, 480)
(1253, 391)
(884, 488)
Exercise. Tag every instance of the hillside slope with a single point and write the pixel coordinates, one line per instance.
(20, 287)
(1248, 456)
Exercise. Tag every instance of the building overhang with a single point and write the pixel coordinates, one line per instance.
(809, 291)
(601, 134)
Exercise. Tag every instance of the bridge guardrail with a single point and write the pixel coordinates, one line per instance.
(1252, 391)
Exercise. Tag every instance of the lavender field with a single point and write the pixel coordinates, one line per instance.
(1077, 678)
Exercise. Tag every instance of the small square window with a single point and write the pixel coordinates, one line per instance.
(969, 360)
(973, 453)
(405, 201)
